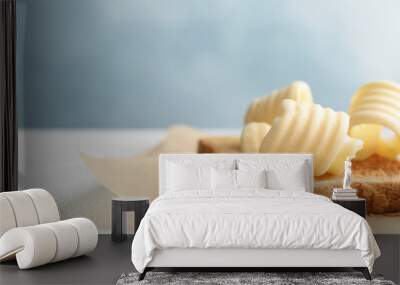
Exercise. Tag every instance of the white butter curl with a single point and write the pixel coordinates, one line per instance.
(375, 106)
(310, 128)
(252, 136)
(264, 109)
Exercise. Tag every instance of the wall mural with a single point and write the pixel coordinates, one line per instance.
(288, 121)
(100, 97)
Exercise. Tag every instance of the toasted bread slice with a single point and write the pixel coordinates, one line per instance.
(377, 179)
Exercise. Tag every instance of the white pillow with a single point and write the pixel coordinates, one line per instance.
(223, 179)
(282, 174)
(236, 179)
(293, 179)
(188, 177)
(251, 179)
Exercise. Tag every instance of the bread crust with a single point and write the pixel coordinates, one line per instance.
(219, 144)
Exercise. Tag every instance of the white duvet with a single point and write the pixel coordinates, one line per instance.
(250, 218)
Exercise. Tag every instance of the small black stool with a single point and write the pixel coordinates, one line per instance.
(123, 204)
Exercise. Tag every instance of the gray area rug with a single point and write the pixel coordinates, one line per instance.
(225, 278)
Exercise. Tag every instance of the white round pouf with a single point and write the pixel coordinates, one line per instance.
(40, 244)
(45, 205)
(33, 246)
(31, 233)
(67, 240)
(87, 233)
(7, 216)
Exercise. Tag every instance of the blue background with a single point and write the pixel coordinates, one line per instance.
(124, 63)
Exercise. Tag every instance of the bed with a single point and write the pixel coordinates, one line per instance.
(244, 211)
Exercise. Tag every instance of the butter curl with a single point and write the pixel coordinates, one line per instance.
(375, 106)
(252, 136)
(310, 128)
(264, 109)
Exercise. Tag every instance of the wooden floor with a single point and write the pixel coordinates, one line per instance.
(110, 260)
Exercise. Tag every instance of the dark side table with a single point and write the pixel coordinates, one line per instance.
(119, 205)
(358, 205)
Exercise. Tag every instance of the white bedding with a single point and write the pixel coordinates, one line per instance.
(250, 218)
